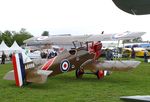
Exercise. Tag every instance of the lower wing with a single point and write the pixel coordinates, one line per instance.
(117, 65)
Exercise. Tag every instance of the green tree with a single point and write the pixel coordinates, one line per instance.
(20, 36)
(0, 37)
(139, 39)
(45, 33)
(126, 41)
(7, 37)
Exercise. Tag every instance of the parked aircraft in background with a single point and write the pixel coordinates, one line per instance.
(135, 7)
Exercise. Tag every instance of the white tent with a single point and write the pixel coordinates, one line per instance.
(4, 47)
(15, 47)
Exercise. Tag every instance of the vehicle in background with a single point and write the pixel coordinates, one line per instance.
(45, 53)
(139, 49)
(34, 55)
(146, 46)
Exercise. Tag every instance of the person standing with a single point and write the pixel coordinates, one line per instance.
(3, 58)
(145, 56)
(133, 52)
(109, 54)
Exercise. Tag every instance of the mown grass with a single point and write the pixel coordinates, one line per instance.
(66, 88)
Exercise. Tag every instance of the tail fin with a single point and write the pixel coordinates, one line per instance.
(24, 71)
(19, 69)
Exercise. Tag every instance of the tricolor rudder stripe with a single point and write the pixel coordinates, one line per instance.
(19, 69)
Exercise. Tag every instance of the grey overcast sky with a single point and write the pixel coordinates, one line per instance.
(69, 17)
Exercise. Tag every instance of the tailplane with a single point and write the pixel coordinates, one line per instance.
(24, 71)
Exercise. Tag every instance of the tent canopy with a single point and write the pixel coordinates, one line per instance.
(15, 47)
(3, 46)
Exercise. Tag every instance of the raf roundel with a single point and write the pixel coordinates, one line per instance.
(65, 65)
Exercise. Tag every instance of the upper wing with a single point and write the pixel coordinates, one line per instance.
(98, 37)
(64, 40)
(128, 35)
(138, 7)
(67, 39)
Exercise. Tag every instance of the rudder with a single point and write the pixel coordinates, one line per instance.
(19, 69)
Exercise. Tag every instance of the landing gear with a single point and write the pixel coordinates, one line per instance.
(79, 73)
(100, 74)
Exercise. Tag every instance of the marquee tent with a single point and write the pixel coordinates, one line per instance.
(15, 47)
(3, 46)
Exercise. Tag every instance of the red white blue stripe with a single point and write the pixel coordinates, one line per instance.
(19, 69)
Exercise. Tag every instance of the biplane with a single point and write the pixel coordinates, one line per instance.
(83, 56)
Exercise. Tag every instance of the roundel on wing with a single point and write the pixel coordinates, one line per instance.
(64, 65)
(42, 37)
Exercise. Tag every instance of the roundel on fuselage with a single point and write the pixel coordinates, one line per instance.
(64, 65)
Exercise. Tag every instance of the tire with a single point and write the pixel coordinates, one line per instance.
(100, 74)
(79, 73)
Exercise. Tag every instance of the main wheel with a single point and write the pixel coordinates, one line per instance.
(79, 73)
(100, 74)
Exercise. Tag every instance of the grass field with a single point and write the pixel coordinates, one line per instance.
(66, 88)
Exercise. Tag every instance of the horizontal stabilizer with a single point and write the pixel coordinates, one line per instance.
(32, 75)
(43, 72)
(25, 71)
(37, 76)
(9, 75)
